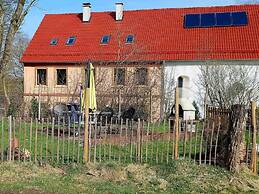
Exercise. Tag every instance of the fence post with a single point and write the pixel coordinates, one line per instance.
(254, 157)
(138, 142)
(10, 139)
(176, 123)
(150, 106)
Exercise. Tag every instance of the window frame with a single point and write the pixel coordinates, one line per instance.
(115, 80)
(133, 39)
(105, 43)
(54, 41)
(68, 40)
(56, 76)
(138, 83)
(36, 75)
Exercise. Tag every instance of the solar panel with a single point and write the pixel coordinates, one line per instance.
(216, 19)
(239, 18)
(208, 20)
(223, 19)
(192, 20)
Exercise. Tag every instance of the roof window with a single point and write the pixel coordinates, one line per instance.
(71, 40)
(130, 38)
(54, 41)
(105, 39)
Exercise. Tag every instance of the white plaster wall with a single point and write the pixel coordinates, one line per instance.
(189, 115)
(191, 71)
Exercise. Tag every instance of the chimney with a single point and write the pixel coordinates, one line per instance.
(119, 11)
(86, 12)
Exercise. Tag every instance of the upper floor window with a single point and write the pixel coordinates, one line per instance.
(61, 77)
(54, 41)
(119, 76)
(41, 76)
(105, 39)
(71, 40)
(130, 38)
(141, 76)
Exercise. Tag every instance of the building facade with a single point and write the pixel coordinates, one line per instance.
(134, 51)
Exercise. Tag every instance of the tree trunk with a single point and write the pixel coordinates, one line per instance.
(235, 134)
(7, 98)
(15, 23)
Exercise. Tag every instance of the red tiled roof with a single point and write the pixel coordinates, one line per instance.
(159, 35)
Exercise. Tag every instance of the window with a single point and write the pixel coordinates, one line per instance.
(141, 76)
(41, 76)
(105, 39)
(130, 39)
(119, 76)
(61, 77)
(180, 82)
(54, 41)
(71, 40)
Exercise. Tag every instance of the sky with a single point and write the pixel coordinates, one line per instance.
(43, 7)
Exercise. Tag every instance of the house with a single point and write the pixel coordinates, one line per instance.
(133, 51)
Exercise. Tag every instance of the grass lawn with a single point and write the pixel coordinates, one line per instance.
(177, 177)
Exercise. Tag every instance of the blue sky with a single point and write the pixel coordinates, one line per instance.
(73, 6)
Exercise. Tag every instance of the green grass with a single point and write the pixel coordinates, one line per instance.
(176, 177)
(153, 152)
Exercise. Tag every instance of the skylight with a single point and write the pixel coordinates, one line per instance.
(71, 40)
(54, 41)
(105, 39)
(215, 19)
(130, 38)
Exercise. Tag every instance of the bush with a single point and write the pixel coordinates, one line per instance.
(34, 107)
(15, 106)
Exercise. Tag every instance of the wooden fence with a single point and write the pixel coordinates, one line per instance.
(60, 141)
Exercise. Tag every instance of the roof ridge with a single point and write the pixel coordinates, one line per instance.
(158, 9)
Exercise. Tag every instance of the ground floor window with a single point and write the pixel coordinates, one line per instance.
(61, 77)
(141, 76)
(41, 76)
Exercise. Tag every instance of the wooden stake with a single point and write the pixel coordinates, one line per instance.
(138, 142)
(2, 140)
(52, 139)
(254, 157)
(176, 123)
(36, 142)
(86, 137)
(10, 138)
(58, 140)
(31, 138)
(47, 140)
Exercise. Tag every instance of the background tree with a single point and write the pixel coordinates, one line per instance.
(227, 85)
(12, 15)
(197, 111)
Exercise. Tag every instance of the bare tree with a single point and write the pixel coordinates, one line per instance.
(12, 14)
(169, 91)
(124, 74)
(227, 85)
(11, 18)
